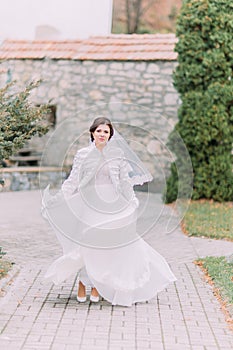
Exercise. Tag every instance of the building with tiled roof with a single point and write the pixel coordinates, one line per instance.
(147, 47)
(125, 77)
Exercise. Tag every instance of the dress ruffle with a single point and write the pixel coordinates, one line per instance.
(123, 280)
(96, 227)
(64, 267)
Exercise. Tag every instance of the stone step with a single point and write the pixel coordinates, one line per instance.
(25, 158)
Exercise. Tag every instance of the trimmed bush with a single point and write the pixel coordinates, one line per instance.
(203, 79)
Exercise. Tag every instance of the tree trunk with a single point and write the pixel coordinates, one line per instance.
(128, 14)
(138, 10)
(134, 12)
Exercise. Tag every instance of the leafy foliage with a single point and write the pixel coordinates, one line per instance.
(1, 252)
(203, 78)
(19, 119)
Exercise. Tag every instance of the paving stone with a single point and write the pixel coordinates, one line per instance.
(38, 315)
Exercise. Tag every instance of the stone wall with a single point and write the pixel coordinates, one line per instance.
(138, 96)
(31, 178)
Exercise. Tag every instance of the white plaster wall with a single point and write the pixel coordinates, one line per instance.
(54, 19)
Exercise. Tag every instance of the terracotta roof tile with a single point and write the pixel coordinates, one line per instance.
(112, 47)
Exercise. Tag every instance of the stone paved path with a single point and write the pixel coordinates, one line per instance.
(36, 315)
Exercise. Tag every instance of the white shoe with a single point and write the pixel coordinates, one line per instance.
(81, 299)
(94, 299)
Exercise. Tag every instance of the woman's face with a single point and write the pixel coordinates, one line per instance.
(101, 135)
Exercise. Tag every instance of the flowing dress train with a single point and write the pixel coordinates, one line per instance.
(96, 228)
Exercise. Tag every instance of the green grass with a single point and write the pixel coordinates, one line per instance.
(5, 267)
(209, 219)
(221, 273)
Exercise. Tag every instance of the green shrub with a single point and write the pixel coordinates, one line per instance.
(19, 119)
(203, 79)
(1, 253)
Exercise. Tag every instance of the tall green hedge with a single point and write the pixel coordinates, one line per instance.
(204, 81)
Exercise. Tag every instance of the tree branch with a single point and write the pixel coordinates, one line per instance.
(145, 8)
(128, 14)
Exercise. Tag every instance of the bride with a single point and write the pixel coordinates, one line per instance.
(94, 216)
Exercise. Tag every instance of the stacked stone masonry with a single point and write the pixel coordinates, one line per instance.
(138, 96)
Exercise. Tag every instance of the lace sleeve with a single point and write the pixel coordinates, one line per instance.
(71, 183)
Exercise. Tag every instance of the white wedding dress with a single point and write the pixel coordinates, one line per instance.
(96, 227)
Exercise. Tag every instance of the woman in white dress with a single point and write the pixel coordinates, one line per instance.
(95, 215)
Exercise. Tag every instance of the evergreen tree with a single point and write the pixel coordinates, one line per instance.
(19, 119)
(203, 79)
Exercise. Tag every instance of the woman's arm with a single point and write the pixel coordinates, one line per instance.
(126, 187)
(71, 183)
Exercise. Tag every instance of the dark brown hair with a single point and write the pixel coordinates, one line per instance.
(99, 121)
